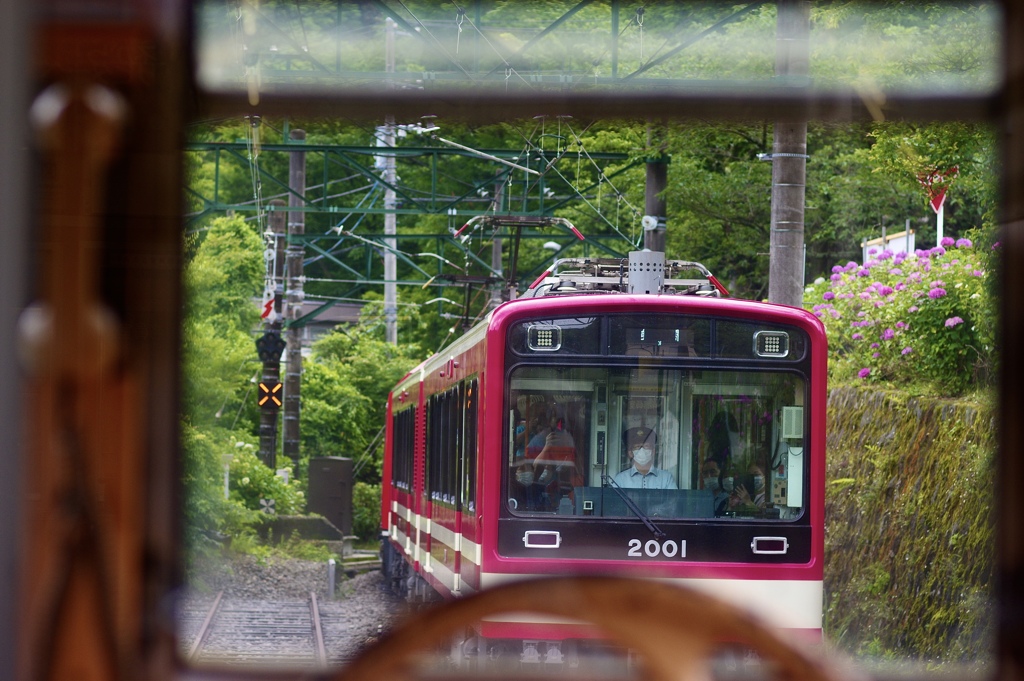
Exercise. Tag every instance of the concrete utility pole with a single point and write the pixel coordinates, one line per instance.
(498, 295)
(655, 206)
(789, 159)
(655, 219)
(390, 224)
(296, 252)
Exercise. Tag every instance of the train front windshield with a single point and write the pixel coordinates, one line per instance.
(659, 428)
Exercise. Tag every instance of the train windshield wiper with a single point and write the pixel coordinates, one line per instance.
(631, 505)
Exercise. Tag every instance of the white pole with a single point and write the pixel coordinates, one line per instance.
(390, 219)
(938, 223)
(330, 578)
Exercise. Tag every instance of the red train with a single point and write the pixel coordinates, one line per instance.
(617, 419)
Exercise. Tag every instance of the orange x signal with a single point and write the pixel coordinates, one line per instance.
(269, 395)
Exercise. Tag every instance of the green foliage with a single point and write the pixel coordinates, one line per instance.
(252, 481)
(301, 549)
(204, 494)
(366, 510)
(345, 387)
(926, 319)
(909, 537)
(224, 272)
(965, 154)
(221, 280)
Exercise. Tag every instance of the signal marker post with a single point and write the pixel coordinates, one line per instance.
(270, 393)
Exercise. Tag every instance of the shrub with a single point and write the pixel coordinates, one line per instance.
(365, 510)
(251, 481)
(922, 318)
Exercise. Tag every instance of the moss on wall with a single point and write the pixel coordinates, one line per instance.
(909, 541)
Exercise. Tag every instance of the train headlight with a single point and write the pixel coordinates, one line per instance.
(544, 337)
(771, 344)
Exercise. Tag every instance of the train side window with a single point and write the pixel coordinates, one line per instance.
(469, 447)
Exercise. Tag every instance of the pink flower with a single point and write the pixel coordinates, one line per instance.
(828, 295)
(964, 243)
(953, 321)
(864, 373)
(858, 336)
(938, 250)
(907, 350)
(888, 334)
(936, 293)
(946, 241)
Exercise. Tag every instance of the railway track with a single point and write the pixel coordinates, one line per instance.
(263, 633)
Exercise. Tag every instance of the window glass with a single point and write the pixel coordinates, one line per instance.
(537, 47)
(897, 466)
(671, 443)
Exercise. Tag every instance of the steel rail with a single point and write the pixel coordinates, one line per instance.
(204, 630)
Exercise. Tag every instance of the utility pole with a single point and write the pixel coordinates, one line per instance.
(390, 226)
(295, 254)
(655, 219)
(789, 159)
(500, 292)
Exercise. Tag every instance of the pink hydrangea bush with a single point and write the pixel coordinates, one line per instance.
(924, 318)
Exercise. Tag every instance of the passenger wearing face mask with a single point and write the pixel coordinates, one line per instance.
(752, 499)
(712, 478)
(641, 447)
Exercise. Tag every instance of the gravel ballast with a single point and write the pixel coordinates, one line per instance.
(357, 614)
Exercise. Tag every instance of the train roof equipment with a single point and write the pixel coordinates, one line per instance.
(644, 272)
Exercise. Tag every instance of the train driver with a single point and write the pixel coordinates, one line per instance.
(641, 448)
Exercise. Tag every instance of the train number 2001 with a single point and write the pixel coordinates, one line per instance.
(653, 548)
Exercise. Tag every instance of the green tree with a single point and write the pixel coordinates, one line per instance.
(345, 389)
(221, 278)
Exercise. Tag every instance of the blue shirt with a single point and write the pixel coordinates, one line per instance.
(655, 478)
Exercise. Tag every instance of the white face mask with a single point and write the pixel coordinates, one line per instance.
(727, 484)
(642, 456)
(758, 481)
(525, 477)
(711, 483)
